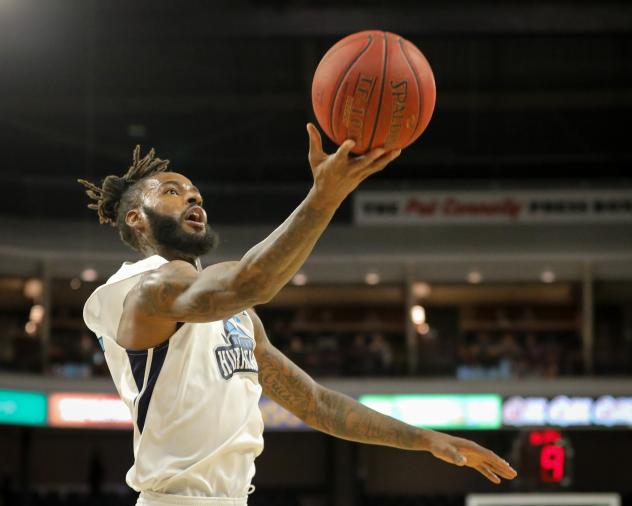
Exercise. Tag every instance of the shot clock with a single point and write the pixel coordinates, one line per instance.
(544, 459)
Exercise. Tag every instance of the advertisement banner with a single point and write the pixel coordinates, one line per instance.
(22, 408)
(109, 411)
(88, 410)
(450, 411)
(438, 411)
(566, 411)
(480, 207)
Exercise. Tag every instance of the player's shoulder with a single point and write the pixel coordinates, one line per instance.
(173, 271)
(157, 288)
(254, 317)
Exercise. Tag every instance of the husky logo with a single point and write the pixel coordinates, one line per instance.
(239, 355)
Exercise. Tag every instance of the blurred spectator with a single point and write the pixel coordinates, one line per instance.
(328, 349)
(605, 354)
(483, 356)
(469, 366)
(488, 355)
(380, 355)
(533, 357)
(295, 351)
(552, 356)
(7, 351)
(509, 353)
(357, 362)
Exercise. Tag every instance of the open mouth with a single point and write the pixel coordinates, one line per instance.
(196, 218)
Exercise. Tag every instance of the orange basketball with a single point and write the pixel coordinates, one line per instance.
(376, 88)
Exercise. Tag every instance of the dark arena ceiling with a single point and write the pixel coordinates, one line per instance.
(525, 91)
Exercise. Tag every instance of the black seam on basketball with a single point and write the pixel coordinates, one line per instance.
(330, 53)
(379, 104)
(339, 84)
(419, 91)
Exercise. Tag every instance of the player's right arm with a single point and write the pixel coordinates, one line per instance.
(341, 416)
(177, 292)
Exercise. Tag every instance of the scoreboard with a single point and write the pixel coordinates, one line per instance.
(544, 459)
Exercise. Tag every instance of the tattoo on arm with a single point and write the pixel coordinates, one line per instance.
(158, 289)
(341, 416)
(284, 382)
(324, 409)
(177, 291)
(271, 263)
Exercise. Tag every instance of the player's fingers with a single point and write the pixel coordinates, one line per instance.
(345, 148)
(502, 468)
(496, 463)
(315, 142)
(381, 162)
(368, 158)
(488, 473)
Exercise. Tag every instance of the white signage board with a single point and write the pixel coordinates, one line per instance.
(476, 207)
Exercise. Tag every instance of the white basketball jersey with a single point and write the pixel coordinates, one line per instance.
(194, 398)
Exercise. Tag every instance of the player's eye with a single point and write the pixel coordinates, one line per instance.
(171, 191)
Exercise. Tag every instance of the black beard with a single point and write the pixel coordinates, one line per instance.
(169, 234)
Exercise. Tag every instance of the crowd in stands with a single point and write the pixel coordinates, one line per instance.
(484, 355)
(344, 355)
(470, 356)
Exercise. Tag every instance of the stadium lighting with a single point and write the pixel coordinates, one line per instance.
(423, 329)
(474, 277)
(37, 313)
(30, 328)
(418, 315)
(299, 279)
(547, 276)
(89, 275)
(33, 288)
(372, 278)
(421, 289)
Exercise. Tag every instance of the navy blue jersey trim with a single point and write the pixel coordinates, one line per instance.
(159, 355)
(138, 362)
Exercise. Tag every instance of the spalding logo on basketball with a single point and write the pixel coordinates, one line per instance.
(376, 88)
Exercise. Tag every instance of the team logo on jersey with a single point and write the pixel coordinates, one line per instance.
(239, 355)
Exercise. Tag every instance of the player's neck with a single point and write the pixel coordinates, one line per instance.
(174, 255)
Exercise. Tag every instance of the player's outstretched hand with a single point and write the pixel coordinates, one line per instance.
(462, 452)
(338, 174)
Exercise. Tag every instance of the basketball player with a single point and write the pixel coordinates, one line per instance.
(190, 357)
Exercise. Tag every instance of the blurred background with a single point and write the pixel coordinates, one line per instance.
(482, 284)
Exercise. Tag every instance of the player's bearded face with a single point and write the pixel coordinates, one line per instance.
(169, 233)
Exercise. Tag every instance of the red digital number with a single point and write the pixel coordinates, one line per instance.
(544, 437)
(552, 464)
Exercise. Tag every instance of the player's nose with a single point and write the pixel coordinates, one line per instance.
(194, 198)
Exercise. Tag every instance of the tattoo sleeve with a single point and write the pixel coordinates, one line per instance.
(270, 264)
(324, 409)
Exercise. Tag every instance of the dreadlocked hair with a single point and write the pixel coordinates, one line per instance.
(118, 194)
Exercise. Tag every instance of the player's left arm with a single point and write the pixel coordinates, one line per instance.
(341, 416)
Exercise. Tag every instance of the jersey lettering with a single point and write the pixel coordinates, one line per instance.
(239, 355)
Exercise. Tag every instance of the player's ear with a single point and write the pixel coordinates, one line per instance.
(135, 219)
